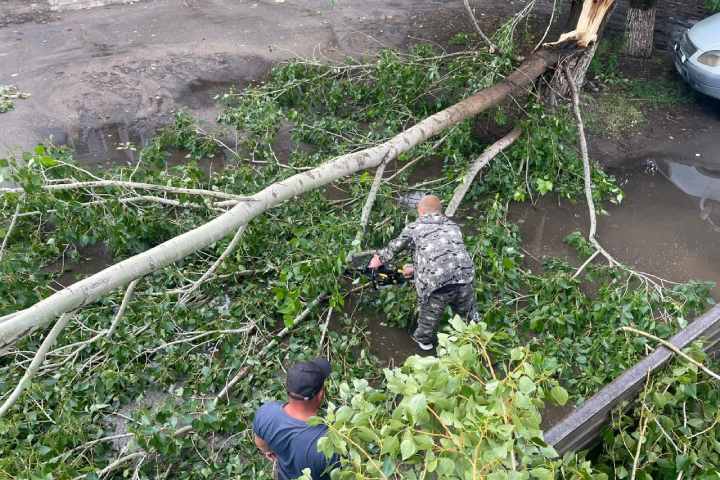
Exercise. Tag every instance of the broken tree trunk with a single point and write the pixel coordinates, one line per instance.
(94, 287)
(589, 18)
(640, 28)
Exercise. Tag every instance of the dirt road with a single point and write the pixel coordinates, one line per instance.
(121, 71)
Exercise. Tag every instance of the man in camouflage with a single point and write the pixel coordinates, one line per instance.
(443, 270)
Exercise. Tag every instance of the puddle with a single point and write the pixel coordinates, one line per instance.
(92, 259)
(108, 145)
(392, 345)
(666, 225)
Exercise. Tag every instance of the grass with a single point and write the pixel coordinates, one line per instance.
(612, 115)
(630, 87)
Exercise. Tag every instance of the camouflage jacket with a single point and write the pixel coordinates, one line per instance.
(439, 254)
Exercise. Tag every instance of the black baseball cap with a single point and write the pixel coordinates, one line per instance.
(306, 379)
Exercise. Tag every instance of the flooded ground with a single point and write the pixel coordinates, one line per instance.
(667, 225)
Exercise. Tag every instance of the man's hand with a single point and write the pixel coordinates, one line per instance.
(375, 262)
(408, 270)
(270, 456)
(265, 449)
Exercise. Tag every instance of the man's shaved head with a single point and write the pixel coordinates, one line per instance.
(428, 205)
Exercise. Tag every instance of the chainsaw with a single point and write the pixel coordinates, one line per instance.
(383, 277)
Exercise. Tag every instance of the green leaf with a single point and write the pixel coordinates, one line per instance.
(366, 435)
(517, 353)
(314, 421)
(542, 474)
(47, 161)
(457, 323)
(525, 385)
(343, 414)
(559, 395)
(417, 404)
(388, 467)
(407, 447)
(390, 445)
(446, 467)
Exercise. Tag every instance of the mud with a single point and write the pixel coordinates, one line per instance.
(392, 345)
(128, 68)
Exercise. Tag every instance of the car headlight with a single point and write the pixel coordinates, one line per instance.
(711, 58)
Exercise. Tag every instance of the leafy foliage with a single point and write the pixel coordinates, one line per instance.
(546, 338)
(448, 416)
(676, 425)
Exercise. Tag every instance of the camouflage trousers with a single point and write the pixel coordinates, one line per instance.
(460, 297)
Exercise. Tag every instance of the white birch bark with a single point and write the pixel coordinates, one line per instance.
(491, 152)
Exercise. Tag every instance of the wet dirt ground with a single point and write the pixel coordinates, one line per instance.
(108, 75)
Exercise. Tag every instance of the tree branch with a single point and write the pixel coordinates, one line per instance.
(228, 250)
(35, 364)
(116, 464)
(133, 186)
(491, 152)
(282, 334)
(10, 228)
(123, 306)
(95, 286)
(587, 176)
(485, 38)
(674, 349)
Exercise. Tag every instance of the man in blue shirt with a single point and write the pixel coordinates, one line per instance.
(281, 430)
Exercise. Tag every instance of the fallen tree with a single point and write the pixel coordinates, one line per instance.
(155, 383)
(585, 34)
(119, 275)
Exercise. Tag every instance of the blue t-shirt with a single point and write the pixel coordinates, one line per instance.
(293, 441)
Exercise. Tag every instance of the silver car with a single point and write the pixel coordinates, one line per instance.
(697, 56)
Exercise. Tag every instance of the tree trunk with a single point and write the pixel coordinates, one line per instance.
(578, 64)
(589, 18)
(640, 32)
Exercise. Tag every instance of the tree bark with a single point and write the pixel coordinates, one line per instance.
(589, 18)
(94, 287)
(640, 32)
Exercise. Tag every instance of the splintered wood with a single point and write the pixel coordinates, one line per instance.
(591, 20)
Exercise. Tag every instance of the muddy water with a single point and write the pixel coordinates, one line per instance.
(667, 225)
(392, 345)
(90, 260)
(108, 145)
